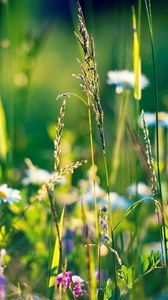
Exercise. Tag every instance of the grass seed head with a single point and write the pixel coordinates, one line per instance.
(150, 161)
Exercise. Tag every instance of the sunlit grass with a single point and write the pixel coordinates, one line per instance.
(97, 232)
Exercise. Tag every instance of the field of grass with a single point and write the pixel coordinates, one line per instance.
(83, 150)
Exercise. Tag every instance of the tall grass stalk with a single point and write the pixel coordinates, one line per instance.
(119, 136)
(93, 163)
(90, 259)
(92, 293)
(111, 221)
(152, 176)
(56, 221)
(90, 86)
(150, 24)
(137, 91)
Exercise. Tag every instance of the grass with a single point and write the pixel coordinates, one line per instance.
(81, 230)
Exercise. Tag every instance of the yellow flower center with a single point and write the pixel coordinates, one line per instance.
(3, 195)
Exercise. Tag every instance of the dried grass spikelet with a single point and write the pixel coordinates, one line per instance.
(84, 38)
(48, 186)
(57, 140)
(56, 178)
(59, 172)
(71, 167)
(150, 161)
(89, 76)
(116, 255)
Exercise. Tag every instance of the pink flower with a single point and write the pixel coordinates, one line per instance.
(78, 289)
(64, 279)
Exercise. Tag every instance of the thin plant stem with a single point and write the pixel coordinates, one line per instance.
(99, 265)
(119, 136)
(137, 224)
(93, 162)
(150, 23)
(139, 20)
(111, 222)
(56, 221)
(93, 170)
(78, 97)
(71, 94)
(49, 256)
(88, 253)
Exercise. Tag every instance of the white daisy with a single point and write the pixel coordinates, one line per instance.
(36, 175)
(8, 194)
(150, 119)
(125, 80)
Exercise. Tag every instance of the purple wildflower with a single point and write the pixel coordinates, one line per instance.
(78, 289)
(64, 279)
(102, 275)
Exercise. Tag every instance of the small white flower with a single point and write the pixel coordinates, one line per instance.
(8, 194)
(125, 80)
(150, 119)
(3, 252)
(141, 189)
(117, 201)
(36, 176)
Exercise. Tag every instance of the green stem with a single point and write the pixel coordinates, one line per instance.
(111, 222)
(93, 162)
(56, 221)
(92, 295)
(149, 17)
(88, 253)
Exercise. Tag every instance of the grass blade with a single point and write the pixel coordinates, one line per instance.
(136, 58)
(3, 134)
(130, 209)
(55, 260)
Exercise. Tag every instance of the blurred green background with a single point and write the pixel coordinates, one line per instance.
(39, 54)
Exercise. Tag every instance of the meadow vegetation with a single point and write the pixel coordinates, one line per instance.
(83, 166)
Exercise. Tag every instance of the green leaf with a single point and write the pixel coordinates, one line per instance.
(146, 264)
(124, 273)
(140, 263)
(152, 258)
(157, 256)
(55, 260)
(131, 276)
(3, 133)
(109, 289)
